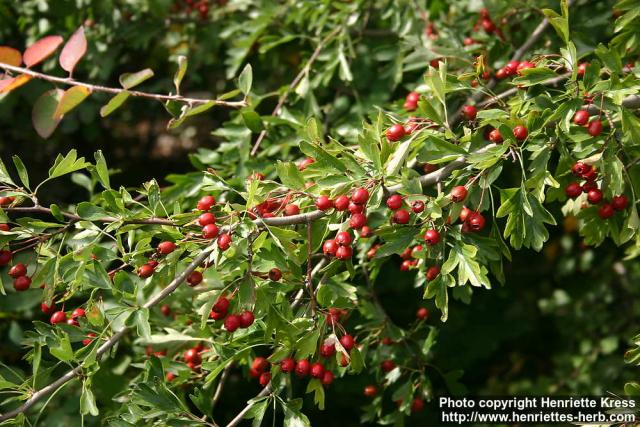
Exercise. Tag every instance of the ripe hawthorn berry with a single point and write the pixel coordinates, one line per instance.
(591, 175)
(580, 169)
(523, 66)
(330, 247)
(260, 364)
(459, 193)
(366, 232)
(417, 405)
(370, 391)
(501, 74)
(582, 68)
(395, 132)
(210, 231)
(432, 237)
(476, 221)
(606, 211)
(5, 257)
(488, 26)
(520, 132)
(218, 315)
(206, 202)
(265, 379)
(246, 319)
(224, 241)
(344, 253)
(165, 310)
(291, 209)
(341, 203)
(595, 127)
(192, 355)
(89, 339)
(357, 221)
(222, 304)
(495, 136)
(573, 190)
(347, 342)
(620, 202)
(409, 106)
(165, 248)
(407, 264)
(594, 196)
(387, 365)
(327, 350)
(432, 272)
(145, 271)
(422, 313)
(415, 251)
(78, 312)
(324, 203)
(589, 185)
(401, 216)
(232, 323)
(275, 274)
(21, 283)
(302, 368)
(417, 206)
(5, 227)
(343, 238)
(287, 364)
(18, 270)
(581, 117)
(355, 208)
(58, 317)
(206, 219)
(195, 278)
(48, 309)
(317, 370)
(306, 162)
(469, 112)
(327, 378)
(360, 196)
(413, 97)
(394, 202)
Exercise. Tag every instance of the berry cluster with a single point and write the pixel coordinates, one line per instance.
(232, 322)
(594, 195)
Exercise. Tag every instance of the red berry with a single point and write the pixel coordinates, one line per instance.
(153, 263)
(72, 322)
(341, 203)
(591, 175)
(595, 127)
(165, 310)
(406, 265)
(495, 136)
(357, 221)
(192, 355)
(218, 315)
(344, 362)
(291, 209)
(78, 312)
(210, 231)
(222, 304)
(330, 247)
(422, 313)
(464, 213)
(469, 112)
(170, 375)
(582, 68)
(413, 97)
(206, 202)
(459, 193)
(573, 190)
(166, 248)
(265, 379)
(488, 26)
(347, 342)
(580, 169)
(224, 241)
(589, 185)
(581, 117)
(395, 132)
(366, 232)
(58, 317)
(512, 66)
(18, 270)
(246, 319)
(324, 203)
(387, 365)
(145, 271)
(524, 65)
(275, 274)
(306, 162)
(417, 405)
(370, 391)
(48, 309)
(260, 364)
(476, 221)
(344, 253)
(394, 202)
(302, 368)
(468, 41)
(232, 322)
(400, 216)
(287, 364)
(343, 238)
(432, 272)
(206, 219)
(5, 257)
(520, 132)
(327, 378)
(594, 196)
(6, 200)
(620, 202)
(417, 206)
(432, 237)
(89, 339)
(501, 74)
(21, 283)
(195, 278)
(606, 211)
(5, 227)
(327, 350)
(317, 370)
(415, 251)
(360, 196)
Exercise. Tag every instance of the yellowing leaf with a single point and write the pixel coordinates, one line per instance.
(70, 100)
(41, 50)
(129, 80)
(42, 114)
(7, 85)
(10, 56)
(73, 51)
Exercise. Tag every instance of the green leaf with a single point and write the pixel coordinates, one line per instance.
(293, 417)
(180, 72)
(89, 211)
(67, 164)
(315, 386)
(129, 80)
(44, 108)
(396, 241)
(306, 346)
(257, 411)
(252, 120)
(245, 79)
(464, 258)
(22, 171)
(102, 170)
(71, 98)
(559, 22)
(5, 178)
(88, 400)
(322, 157)
(114, 103)
(63, 351)
(289, 175)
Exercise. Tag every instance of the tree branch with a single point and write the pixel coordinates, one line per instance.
(116, 90)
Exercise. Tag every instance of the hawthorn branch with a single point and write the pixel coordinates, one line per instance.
(76, 218)
(294, 83)
(116, 90)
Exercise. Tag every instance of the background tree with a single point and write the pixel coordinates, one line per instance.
(338, 162)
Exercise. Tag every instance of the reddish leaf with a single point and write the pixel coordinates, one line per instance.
(43, 110)
(73, 51)
(7, 85)
(40, 50)
(10, 56)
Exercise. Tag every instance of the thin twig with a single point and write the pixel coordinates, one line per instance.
(116, 90)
